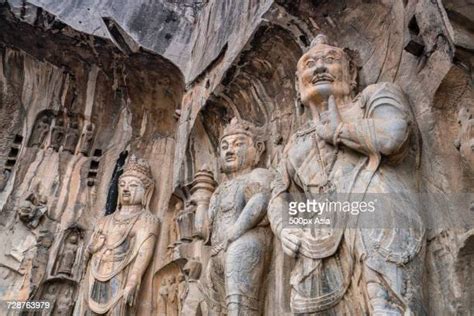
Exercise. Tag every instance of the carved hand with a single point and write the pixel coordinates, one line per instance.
(290, 241)
(221, 247)
(129, 293)
(227, 242)
(97, 244)
(329, 121)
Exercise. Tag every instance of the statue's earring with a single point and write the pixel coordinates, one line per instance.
(147, 197)
(353, 85)
(260, 146)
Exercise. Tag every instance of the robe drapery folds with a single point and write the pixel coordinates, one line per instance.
(111, 266)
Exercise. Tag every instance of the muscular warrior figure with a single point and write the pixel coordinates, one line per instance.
(350, 145)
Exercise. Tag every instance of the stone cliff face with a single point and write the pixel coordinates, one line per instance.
(84, 85)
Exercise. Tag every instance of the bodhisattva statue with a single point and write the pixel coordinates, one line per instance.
(240, 233)
(350, 145)
(121, 247)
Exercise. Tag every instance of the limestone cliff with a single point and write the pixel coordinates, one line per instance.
(84, 84)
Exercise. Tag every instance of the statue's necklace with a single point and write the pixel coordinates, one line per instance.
(129, 222)
(121, 219)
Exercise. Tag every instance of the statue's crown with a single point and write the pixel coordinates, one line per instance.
(138, 168)
(239, 127)
(320, 39)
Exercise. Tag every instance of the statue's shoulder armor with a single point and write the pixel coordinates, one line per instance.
(383, 93)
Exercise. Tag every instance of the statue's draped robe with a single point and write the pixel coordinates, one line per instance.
(109, 268)
(326, 277)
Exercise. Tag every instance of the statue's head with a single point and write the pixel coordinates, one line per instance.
(324, 70)
(136, 183)
(26, 210)
(73, 238)
(239, 147)
(178, 206)
(45, 238)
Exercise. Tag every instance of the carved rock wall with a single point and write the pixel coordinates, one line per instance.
(70, 168)
(84, 84)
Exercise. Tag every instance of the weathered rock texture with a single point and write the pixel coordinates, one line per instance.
(83, 85)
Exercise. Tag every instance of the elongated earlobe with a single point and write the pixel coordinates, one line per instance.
(260, 147)
(147, 197)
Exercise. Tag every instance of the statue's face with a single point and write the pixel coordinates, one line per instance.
(26, 210)
(73, 239)
(323, 71)
(237, 152)
(131, 191)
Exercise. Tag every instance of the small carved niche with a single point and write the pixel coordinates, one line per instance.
(415, 45)
(185, 221)
(58, 132)
(94, 167)
(13, 153)
(87, 139)
(11, 160)
(41, 128)
(60, 294)
(170, 285)
(70, 132)
(67, 254)
(73, 133)
(175, 208)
